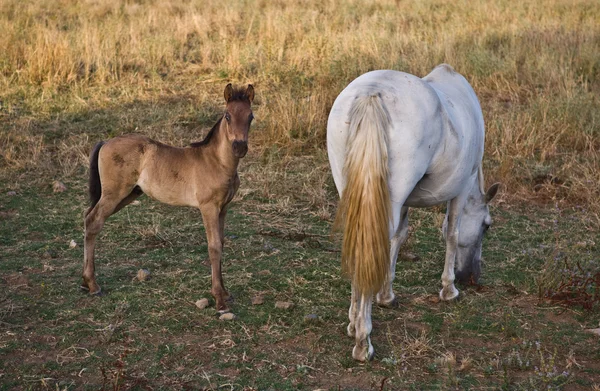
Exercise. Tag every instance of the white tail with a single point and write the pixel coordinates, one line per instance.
(365, 207)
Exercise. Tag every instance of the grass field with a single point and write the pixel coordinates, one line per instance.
(73, 73)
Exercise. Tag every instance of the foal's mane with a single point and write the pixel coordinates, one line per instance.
(238, 94)
(209, 136)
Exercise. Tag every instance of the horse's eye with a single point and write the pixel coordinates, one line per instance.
(486, 227)
(251, 117)
(227, 117)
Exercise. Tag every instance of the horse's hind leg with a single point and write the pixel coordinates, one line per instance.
(94, 221)
(386, 296)
(363, 349)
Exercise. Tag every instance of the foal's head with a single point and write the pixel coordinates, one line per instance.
(237, 118)
(474, 223)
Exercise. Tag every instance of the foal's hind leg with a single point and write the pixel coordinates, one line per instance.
(222, 215)
(386, 296)
(94, 221)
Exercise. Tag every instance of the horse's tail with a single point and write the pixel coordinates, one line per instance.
(95, 188)
(365, 208)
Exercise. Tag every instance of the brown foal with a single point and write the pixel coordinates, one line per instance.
(203, 175)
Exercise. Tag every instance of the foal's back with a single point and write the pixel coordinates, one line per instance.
(161, 171)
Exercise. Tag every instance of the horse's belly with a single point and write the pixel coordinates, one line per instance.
(433, 191)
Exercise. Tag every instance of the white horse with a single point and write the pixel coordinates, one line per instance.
(397, 141)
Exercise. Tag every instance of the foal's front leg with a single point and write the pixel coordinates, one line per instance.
(210, 216)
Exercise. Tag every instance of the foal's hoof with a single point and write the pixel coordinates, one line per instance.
(449, 293)
(96, 292)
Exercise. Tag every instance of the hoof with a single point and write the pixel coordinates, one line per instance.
(363, 354)
(449, 293)
(96, 292)
(388, 303)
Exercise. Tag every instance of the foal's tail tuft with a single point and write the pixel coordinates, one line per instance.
(365, 208)
(95, 188)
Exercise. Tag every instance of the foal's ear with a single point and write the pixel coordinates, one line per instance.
(491, 192)
(228, 92)
(250, 92)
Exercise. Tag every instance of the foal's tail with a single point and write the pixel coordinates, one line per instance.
(365, 208)
(95, 188)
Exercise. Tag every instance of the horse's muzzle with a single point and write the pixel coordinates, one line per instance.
(469, 275)
(240, 148)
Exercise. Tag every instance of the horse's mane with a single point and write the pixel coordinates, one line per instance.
(209, 136)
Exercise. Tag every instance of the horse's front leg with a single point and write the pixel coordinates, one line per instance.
(363, 349)
(449, 291)
(386, 296)
(210, 216)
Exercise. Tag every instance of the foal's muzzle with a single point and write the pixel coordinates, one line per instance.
(240, 148)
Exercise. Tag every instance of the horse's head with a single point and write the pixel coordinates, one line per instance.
(238, 116)
(474, 222)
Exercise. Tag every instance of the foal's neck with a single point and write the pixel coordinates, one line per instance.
(218, 146)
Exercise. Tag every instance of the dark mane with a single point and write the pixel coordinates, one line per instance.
(209, 136)
(239, 94)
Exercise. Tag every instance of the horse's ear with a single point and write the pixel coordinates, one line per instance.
(491, 192)
(228, 92)
(250, 92)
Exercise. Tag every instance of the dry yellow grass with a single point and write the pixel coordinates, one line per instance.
(535, 66)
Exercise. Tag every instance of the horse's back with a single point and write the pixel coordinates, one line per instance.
(436, 136)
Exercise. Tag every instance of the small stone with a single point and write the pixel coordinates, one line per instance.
(58, 187)
(258, 300)
(594, 331)
(411, 257)
(202, 303)
(227, 316)
(264, 273)
(143, 274)
(11, 193)
(47, 268)
(311, 318)
(136, 202)
(284, 305)
(72, 244)
(49, 254)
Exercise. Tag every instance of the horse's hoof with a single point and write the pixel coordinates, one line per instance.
(393, 303)
(363, 354)
(449, 293)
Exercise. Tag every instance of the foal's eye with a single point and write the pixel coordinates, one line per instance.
(227, 117)
(251, 117)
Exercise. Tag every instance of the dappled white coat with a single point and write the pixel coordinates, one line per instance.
(435, 142)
